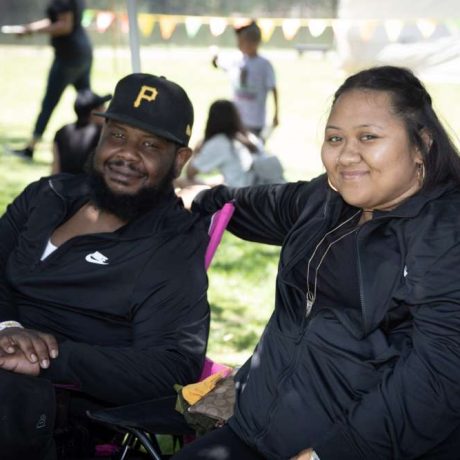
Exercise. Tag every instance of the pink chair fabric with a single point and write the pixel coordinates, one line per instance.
(218, 225)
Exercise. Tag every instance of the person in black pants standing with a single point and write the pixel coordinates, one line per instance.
(73, 56)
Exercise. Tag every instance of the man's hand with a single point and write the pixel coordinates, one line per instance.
(303, 455)
(37, 347)
(17, 362)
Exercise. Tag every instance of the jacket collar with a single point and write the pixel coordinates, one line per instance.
(409, 208)
(69, 186)
(413, 205)
(168, 216)
(330, 208)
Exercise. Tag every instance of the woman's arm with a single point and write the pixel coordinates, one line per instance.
(246, 141)
(264, 214)
(416, 406)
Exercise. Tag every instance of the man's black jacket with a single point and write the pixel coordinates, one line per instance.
(129, 308)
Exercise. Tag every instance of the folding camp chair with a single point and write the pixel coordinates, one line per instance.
(142, 421)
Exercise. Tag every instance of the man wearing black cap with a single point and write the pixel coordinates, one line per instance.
(102, 276)
(74, 142)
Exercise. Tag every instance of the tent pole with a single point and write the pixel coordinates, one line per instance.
(134, 35)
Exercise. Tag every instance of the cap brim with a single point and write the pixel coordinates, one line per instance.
(141, 125)
(102, 100)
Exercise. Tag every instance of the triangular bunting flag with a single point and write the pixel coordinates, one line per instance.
(393, 28)
(367, 29)
(290, 28)
(167, 26)
(267, 27)
(146, 23)
(426, 27)
(192, 25)
(124, 22)
(317, 27)
(103, 20)
(341, 27)
(87, 18)
(217, 26)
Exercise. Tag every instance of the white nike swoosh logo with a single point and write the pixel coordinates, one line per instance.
(97, 258)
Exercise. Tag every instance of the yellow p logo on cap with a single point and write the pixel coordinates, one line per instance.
(147, 93)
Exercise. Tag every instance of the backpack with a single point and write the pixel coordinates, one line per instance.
(267, 169)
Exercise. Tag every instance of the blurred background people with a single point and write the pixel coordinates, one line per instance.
(252, 77)
(74, 142)
(227, 148)
(71, 64)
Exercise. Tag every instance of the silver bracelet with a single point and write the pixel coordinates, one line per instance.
(7, 324)
(314, 456)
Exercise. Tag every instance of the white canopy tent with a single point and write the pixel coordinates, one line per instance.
(392, 32)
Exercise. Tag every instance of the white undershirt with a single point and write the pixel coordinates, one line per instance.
(50, 247)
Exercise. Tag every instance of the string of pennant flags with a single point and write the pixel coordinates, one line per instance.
(101, 21)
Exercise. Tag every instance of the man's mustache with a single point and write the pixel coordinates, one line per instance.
(119, 162)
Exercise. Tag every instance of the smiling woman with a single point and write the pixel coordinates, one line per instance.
(368, 154)
(360, 358)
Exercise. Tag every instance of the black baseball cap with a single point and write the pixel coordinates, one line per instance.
(87, 101)
(153, 104)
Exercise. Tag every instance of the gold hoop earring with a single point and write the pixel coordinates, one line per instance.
(421, 173)
(330, 185)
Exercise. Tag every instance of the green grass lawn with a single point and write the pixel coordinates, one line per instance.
(242, 276)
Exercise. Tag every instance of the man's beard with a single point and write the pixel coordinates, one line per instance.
(128, 206)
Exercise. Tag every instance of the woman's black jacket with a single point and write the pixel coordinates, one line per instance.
(379, 381)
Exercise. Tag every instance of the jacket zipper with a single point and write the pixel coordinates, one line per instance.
(283, 377)
(360, 281)
(360, 277)
(291, 366)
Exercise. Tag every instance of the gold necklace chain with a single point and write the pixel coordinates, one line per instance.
(311, 296)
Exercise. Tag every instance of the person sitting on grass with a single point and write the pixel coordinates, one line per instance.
(227, 148)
